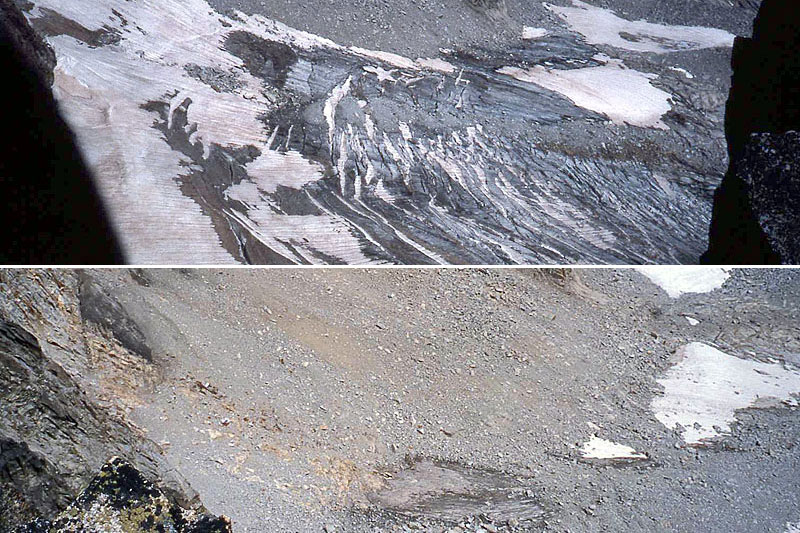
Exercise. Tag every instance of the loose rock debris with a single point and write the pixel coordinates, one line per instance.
(580, 400)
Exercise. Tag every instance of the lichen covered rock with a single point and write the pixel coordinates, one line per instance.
(120, 500)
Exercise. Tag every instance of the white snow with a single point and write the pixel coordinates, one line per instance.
(288, 169)
(386, 57)
(692, 321)
(597, 448)
(678, 280)
(624, 95)
(603, 26)
(683, 71)
(703, 391)
(382, 74)
(529, 33)
(332, 103)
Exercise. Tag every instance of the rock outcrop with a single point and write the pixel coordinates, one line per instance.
(119, 498)
(57, 426)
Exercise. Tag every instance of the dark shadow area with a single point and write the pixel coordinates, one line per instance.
(101, 308)
(52, 212)
(756, 216)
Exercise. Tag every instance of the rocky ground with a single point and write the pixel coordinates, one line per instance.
(417, 132)
(427, 400)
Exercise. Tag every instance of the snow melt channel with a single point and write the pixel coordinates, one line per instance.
(703, 391)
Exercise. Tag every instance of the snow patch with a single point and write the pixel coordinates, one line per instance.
(382, 74)
(597, 448)
(288, 169)
(624, 95)
(385, 57)
(679, 280)
(703, 391)
(332, 103)
(692, 321)
(683, 71)
(603, 26)
(436, 64)
(529, 33)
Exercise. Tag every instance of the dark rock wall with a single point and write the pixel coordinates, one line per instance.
(764, 99)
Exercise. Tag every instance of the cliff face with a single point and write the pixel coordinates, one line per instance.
(60, 422)
(756, 206)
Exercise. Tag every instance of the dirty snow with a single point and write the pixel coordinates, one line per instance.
(602, 26)
(624, 95)
(529, 33)
(683, 71)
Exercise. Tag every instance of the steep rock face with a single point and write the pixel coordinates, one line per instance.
(59, 423)
(99, 307)
(756, 204)
(19, 36)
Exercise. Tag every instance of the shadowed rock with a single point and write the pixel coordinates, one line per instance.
(770, 170)
(53, 213)
(764, 98)
(101, 308)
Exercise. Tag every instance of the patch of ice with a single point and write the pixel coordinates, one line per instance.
(332, 103)
(603, 26)
(678, 280)
(683, 71)
(386, 57)
(288, 169)
(381, 74)
(597, 448)
(624, 95)
(405, 131)
(529, 33)
(703, 391)
(304, 237)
